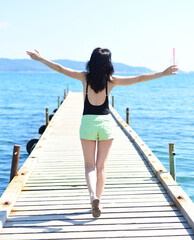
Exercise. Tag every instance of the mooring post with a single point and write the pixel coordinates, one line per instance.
(15, 161)
(113, 101)
(58, 101)
(47, 116)
(127, 115)
(172, 161)
(65, 94)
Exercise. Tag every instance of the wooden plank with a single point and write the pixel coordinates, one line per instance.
(80, 178)
(115, 199)
(109, 172)
(132, 194)
(61, 167)
(59, 157)
(106, 209)
(64, 185)
(100, 221)
(98, 234)
(100, 227)
(82, 175)
(83, 186)
(86, 214)
(76, 182)
(139, 186)
(123, 238)
(71, 169)
(116, 157)
(116, 176)
(135, 223)
(75, 172)
(125, 182)
(83, 204)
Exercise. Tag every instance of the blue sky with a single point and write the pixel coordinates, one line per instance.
(138, 32)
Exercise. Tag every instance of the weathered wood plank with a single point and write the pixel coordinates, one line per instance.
(56, 185)
(107, 199)
(75, 170)
(83, 204)
(106, 209)
(82, 186)
(134, 193)
(80, 177)
(86, 214)
(124, 238)
(99, 234)
(100, 227)
(116, 190)
(100, 221)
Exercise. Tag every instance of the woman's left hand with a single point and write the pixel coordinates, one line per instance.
(172, 70)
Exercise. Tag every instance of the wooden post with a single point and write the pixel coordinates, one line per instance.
(58, 101)
(113, 102)
(47, 116)
(15, 161)
(172, 162)
(65, 94)
(67, 89)
(127, 115)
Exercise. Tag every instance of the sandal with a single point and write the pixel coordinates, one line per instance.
(96, 211)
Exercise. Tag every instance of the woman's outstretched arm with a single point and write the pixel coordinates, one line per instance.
(57, 67)
(120, 80)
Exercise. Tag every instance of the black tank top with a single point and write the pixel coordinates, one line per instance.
(90, 109)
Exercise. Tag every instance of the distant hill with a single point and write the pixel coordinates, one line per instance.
(28, 65)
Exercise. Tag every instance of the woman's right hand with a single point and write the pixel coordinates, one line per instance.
(34, 55)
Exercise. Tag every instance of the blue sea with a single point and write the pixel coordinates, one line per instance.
(161, 112)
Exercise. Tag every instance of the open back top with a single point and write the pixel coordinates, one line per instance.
(90, 109)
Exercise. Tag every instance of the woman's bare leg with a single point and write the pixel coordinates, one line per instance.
(102, 155)
(89, 148)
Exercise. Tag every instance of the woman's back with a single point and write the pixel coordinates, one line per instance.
(96, 103)
(99, 98)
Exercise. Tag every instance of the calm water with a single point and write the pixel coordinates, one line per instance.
(161, 111)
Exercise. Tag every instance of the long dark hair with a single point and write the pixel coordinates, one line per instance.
(99, 69)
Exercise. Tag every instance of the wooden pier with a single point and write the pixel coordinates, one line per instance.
(48, 199)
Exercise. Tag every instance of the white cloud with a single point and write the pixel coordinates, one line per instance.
(4, 25)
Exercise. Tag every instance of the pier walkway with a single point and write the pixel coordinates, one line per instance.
(49, 197)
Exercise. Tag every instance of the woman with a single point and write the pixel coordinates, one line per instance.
(96, 126)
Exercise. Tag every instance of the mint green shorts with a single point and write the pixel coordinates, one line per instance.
(96, 127)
